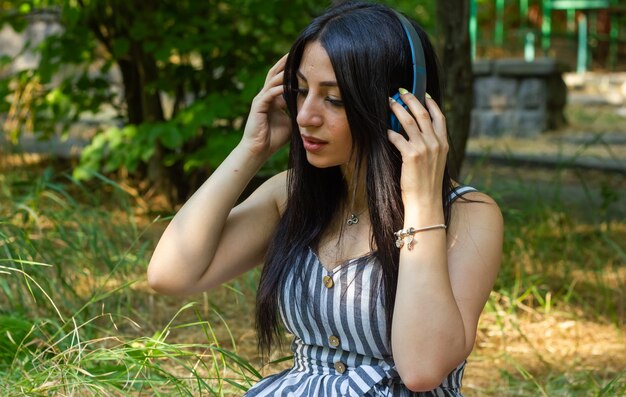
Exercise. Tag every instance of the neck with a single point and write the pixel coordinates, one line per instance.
(356, 201)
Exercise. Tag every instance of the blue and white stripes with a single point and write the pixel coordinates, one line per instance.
(340, 340)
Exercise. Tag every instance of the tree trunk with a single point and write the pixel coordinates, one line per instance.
(144, 105)
(453, 24)
(109, 22)
(132, 91)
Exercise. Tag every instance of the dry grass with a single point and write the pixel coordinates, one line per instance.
(541, 345)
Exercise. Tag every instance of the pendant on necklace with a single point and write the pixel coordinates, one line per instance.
(353, 220)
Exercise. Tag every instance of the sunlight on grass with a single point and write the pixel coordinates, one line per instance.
(555, 323)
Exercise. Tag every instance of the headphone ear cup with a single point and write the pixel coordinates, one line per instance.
(394, 123)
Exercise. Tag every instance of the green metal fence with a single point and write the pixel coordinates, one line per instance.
(579, 15)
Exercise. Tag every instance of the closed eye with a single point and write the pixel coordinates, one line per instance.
(303, 92)
(334, 102)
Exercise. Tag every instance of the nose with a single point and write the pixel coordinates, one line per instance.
(309, 114)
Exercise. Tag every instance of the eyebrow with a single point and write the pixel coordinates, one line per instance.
(323, 83)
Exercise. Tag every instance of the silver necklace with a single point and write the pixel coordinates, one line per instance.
(353, 219)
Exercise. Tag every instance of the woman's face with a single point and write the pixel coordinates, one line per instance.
(321, 116)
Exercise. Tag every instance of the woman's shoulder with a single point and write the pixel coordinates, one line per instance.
(277, 187)
(278, 180)
(475, 235)
(469, 195)
(475, 207)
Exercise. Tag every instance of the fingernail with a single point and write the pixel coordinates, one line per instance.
(402, 91)
(428, 96)
(391, 100)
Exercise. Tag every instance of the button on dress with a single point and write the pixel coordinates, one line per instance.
(340, 343)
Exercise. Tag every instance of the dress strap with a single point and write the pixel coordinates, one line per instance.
(459, 191)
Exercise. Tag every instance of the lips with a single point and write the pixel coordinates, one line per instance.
(313, 144)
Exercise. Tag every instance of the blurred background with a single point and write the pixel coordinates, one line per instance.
(114, 112)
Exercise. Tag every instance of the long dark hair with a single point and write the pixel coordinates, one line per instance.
(371, 58)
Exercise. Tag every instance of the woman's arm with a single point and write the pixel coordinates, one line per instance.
(208, 241)
(443, 284)
(445, 279)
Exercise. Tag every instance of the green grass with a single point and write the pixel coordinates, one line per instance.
(76, 316)
(564, 262)
(72, 321)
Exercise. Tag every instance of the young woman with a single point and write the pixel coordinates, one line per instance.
(372, 259)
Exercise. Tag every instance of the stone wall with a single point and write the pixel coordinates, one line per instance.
(12, 43)
(513, 97)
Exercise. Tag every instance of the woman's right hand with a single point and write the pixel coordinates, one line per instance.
(268, 126)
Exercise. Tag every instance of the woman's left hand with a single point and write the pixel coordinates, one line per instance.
(425, 151)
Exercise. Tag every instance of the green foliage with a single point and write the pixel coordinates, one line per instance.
(180, 75)
(175, 77)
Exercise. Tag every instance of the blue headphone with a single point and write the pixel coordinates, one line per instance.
(419, 69)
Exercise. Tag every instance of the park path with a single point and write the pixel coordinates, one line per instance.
(595, 138)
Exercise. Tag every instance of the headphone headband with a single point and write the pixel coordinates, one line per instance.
(417, 57)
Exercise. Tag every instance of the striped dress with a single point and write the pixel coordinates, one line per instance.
(340, 343)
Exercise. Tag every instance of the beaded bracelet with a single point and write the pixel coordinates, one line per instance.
(410, 233)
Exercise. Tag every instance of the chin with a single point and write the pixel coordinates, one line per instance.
(319, 162)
